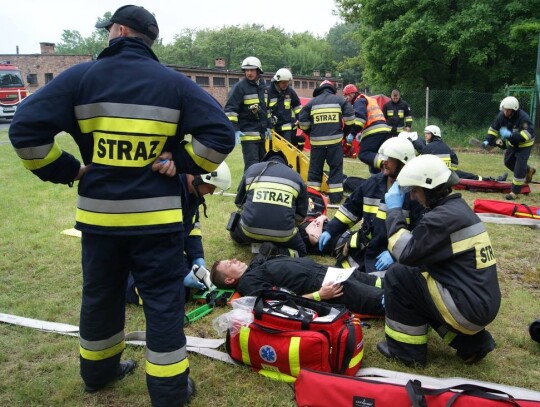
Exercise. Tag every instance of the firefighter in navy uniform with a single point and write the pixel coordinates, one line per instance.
(123, 110)
(273, 201)
(436, 146)
(514, 127)
(366, 248)
(284, 105)
(246, 108)
(370, 124)
(322, 119)
(193, 189)
(398, 114)
(446, 274)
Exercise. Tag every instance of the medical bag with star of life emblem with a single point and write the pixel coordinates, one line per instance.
(289, 333)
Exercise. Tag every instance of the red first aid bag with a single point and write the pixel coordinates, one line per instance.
(502, 187)
(506, 208)
(315, 389)
(289, 332)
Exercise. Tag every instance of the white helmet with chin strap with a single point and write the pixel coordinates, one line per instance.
(509, 102)
(221, 177)
(252, 63)
(397, 147)
(282, 74)
(426, 171)
(435, 130)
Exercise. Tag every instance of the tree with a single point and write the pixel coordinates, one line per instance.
(475, 44)
(74, 43)
(344, 42)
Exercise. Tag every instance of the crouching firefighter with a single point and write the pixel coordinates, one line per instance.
(455, 291)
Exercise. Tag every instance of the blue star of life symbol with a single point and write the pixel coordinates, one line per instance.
(268, 354)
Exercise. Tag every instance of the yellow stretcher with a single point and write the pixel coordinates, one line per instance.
(296, 158)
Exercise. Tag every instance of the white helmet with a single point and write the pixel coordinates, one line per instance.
(221, 177)
(426, 171)
(252, 63)
(397, 147)
(435, 130)
(509, 102)
(282, 74)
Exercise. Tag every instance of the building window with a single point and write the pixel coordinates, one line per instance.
(297, 84)
(48, 77)
(304, 84)
(219, 81)
(31, 78)
(311, 85)
(232, 81)
(202, 80)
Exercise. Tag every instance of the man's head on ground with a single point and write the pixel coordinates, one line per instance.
(432, 133)
(428, 179)
(225, 274)
(395, 95)
(132, 21)
(282, 78)
(395, 153)
(252, 68)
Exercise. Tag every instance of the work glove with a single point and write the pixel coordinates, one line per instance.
(504, 133)
(268, 134)
(384, 260)
(199, 261)
(191, 281)
(238, 134)
(350, 138)
(394, 197)
(323, 239)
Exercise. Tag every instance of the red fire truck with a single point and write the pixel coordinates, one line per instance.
(12, 90)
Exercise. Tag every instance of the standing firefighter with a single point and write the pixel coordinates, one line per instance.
(322, 119)
(284, 105)
(515, 128)
(446, 274)
(246, 108)
(370, 124)
(123, 110)
(398, 114)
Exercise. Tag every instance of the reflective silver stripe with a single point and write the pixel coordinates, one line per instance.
(382, 207)
(129, 205)
(348, 118)
(314, 184)
(452, 308)
(36, 152)
(372, 201)
(208, 153)
(467, 232)
(274, 180)
(103, 343)
(326, 106)
(338, 136)
(348, 214)
(127, 111)
(166, 358)
(268, 232)
(234, 114)
(340, 185)
(407, 329)
(402, 241)
(251, 133)
(251, 96)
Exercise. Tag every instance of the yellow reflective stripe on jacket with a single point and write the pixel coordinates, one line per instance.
(244, 341)
(406, 338)
(102, 349)
(474, 237)
(326, 141)
(123, 125)
(346, 217)
(121, 150)
(34, 158)
(447, 307)
(280, 236)
(233, 116)
(129, 219)
(397, 242)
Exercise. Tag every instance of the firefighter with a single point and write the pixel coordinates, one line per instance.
(284, 105)
(360, 293)
(436, 146)
(322, 119)
(246, 108)
(398, 114)
(123, 110)
(514, 127)
(273, 201)
(193, 190)
(369, 124)
(366, 249)
(445, 275)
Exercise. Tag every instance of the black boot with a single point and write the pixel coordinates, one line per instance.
(382, 347)
(126, 367)
(502, 177)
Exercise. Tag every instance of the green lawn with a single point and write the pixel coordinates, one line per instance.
(40, 277)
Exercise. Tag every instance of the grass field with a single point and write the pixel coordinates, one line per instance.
(40, 277)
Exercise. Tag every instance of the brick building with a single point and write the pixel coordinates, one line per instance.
(38, 69)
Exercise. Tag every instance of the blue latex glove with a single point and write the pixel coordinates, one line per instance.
(237, 134)
(350, 138)
(191, 281)
(394, 197)
(199, 261)
(323, 239)
(268, 134)
(384, 260)
(485, 144)
(504, 133)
